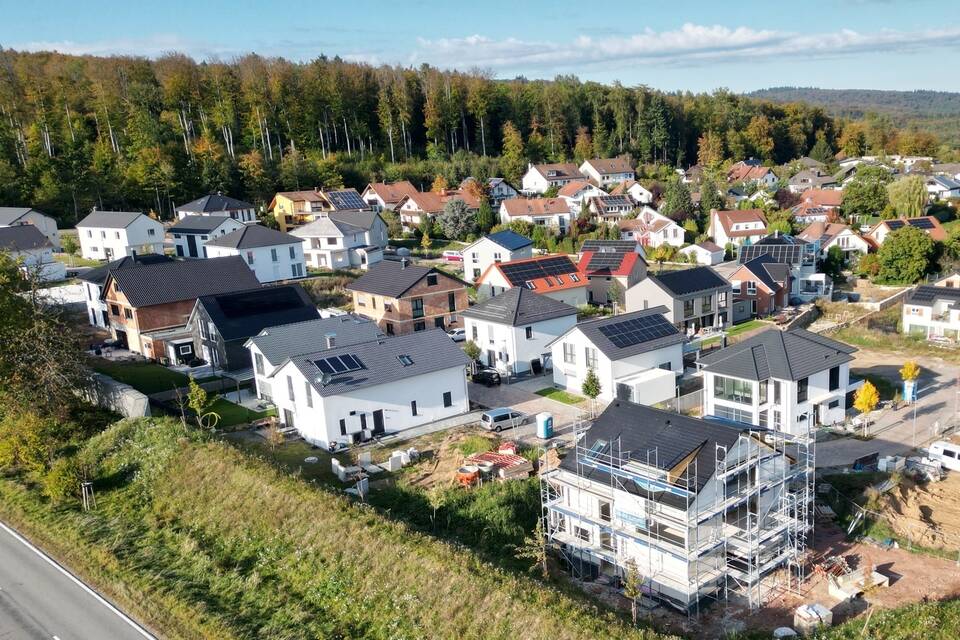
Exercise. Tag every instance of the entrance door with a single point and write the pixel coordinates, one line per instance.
(491, 357)
(192, 245)
(288, 417)
(438, 322)
(378, 422)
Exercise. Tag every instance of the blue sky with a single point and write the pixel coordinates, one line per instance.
(745, 45)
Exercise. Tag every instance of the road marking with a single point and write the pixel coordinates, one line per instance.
(53, 563)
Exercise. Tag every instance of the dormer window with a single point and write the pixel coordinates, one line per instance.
(531, 285)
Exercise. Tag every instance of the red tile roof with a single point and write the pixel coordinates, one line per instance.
(572, 279)
(535, 206)
(823, 197)
(728, 218)
(742, 172)
(392, 192)
(627, 263)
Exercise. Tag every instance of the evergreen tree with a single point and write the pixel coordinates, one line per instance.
(821, 151)
(677, 203)
(512, 160)
(485, 219)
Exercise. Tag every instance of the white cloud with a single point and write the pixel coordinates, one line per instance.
(149, 46)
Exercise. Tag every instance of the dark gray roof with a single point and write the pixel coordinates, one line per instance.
(393, 279)
(786, 355)
(214, 202)
(510, 240)
(519, 306)
(22, 237)
(604, 333)
(241, 314)
(767, 270)
(151, 284)
(661, 439)
(109, 219)
(279, 343)
(925, 295)
(784, 248)
(686, 281)
(9, 215)
(252, 236)
(198, 224)
(363, 219)
(431, 350)
(98, 275)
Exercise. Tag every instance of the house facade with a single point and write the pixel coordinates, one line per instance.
(610, 274)
(94, 279)
(540, 177)
(576, 192)
(608, 171)
(833, 234)
(694, 298)
(705, 253)
(751, 172)
(632, 188)
(294, 209)
(271, 255)
(109, 235)
(27, 245)
(217, 204)
(611, 209)
(651, 229)
(554, 213)
(338, 241)
(503, 246)
(18, 216)
(385, 196)
(191, 233)
(737, 227)
(762, 285)
(933, 311)
(928, 224)
(414, 209)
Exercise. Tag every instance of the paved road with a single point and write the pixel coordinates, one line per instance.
(40, 601)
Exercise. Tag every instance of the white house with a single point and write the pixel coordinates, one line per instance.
(705, 253)
(514, 329)
(191, 233)
(387, 195)
(17, 216)
(636, 356)
(933, 311)
(330, 242)
(217, 204)
(632, 188)
(94, 279)
(577, 192)
(784, 380)
(33, 250)
(540, 177)
(555, 276)
(611, 209)
(108, 235)
(651, 229)
(737, 227)
(498, 189)
(749, 172)
(548, 212)
(356, 392)
(830, 234)
(503, 246)
(928, 224)
(942, 187)
(414, 208)
(271, 255)
(607, 171)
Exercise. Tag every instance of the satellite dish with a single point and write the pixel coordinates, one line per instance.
(323, 379)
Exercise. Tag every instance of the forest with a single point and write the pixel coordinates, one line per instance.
(130, 133)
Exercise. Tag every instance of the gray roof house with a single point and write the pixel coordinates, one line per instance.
(17, 216)
(272, 255)
(110, 235)
(191, 233)
(217, 204)
(694, 298)
(341, 240)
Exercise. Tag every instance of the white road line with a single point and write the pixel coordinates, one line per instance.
(53, 563)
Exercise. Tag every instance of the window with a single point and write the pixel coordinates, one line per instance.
(419, 326)
(802, 389)
(295, 269)
(733, 390)
(531, 285)
(591, 357)
(413, 408)
(128, 314)
(290, 393)
(737, 415)
(688, 308)
(473, 332)
(834, 378)
(528, 332)
(343, 427)
(151, 232)
(776, 392)
(273, 255)
(185, 349)
(722, 299)
(389, 328)
(777, 419)
(574, 277)
(763, 391)
(115, 310)
(116, 234)
(249, 257)
(417, 305)
(833, 404)
(666, 366)
(258, 363)
(438, 322)
(306, 384)
(605, 511)
(569, 353)
(431, 279)
(293, 252)
(361, 301)
(751, 288)
(474, 258)
(331, 241)
(89, 233)
(203, 237)
(762, 421)
(452, 301)
(476, 273)
(707, 304)
(581, 533)
(736, 286)
(496, 257)
(447, 399)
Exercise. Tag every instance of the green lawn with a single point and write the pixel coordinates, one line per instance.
(75, 261)
(885, 387)
(560, 396)
(145, 377)
(743, 327)
(233, 414)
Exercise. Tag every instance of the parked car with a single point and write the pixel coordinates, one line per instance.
(487, 376)
(453, 256)
(502, 418)
(458, 335)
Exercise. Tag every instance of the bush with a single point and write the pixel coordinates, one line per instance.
(62, 481)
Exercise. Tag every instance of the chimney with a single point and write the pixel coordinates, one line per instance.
(331, 339)
(403, 263)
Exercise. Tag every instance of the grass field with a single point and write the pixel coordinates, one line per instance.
(560, 396)
(146, 377)
(232, 414)
(743, 327)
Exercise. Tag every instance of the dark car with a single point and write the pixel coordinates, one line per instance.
(489, 377)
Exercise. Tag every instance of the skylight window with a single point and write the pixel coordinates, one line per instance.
(405, 360)
(531, 285)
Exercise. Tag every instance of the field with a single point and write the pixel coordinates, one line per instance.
(881, 332)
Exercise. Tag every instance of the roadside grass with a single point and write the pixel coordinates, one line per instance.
(560, 396)
(146, 377)
(881, 332)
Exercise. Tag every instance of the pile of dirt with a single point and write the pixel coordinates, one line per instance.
(928, 515)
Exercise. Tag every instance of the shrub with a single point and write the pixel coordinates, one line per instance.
(62, 480)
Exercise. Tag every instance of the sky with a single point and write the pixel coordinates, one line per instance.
(678, 45)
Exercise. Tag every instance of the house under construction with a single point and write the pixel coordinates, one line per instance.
(704, 510)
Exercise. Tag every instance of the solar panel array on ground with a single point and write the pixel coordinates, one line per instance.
(335, 365)
(637, 330)
(606, 246)
(522, 272)
(347, 199)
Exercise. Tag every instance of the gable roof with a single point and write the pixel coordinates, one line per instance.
(252, 236)
(686, 281)
(110, 219)
(928, 224)
(609, 263)
(629, 334)
(146, 285)
(541, 273)
(241, 314)
(822, 231)
(823, 197)
(768, 271)
(574, 187)
(198, 224)
(783, 247)
(707, 245)
(24, 237)
(518, 307)
(326, 226)
(9, 215)
(926, 295)
(392, 192)
(610, 165)
(429, 351)
(98, 275)
(741, 172)
(277, 343)
(786, 355)
(394, 278)
(535, 206)
(214, 202)
(364, 220)
(730, 217)
(510, 240)
(560, 171)
(602, 203)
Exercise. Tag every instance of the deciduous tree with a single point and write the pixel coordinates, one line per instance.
(904, 256)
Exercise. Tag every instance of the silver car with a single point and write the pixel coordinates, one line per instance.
(502, 418)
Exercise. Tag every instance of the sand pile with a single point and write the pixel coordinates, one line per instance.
(928, 515)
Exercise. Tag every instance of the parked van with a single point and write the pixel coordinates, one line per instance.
(947, 453)
(502, 418)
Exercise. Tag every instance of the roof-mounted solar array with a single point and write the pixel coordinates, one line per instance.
(336, 365)
(520, 273)
(637, 330)
(346, 199)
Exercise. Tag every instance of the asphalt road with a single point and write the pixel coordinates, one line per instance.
(41, 601)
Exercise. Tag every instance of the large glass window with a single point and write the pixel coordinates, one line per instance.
(763, 391)
(834, 378)
(737, 415)
(688, 308)
(802, 389)
(417, 304)
(707, 304)
(776, 392)
(733, 390)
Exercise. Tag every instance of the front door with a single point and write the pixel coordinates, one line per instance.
(192, 246)
(438, 322)
(378, 422)
(288, 417)
(491, 358)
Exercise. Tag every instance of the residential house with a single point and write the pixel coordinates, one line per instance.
(503, 246)
(149, 304)
(272, 255)
(540, 177)
(747, 173)
(366, 390)
(830, 199)
(274, 345)
(632, 188)
(809, 163)
(414, 208)
(760, 287)
(942, 187)
(297, 208)
(933, 311)
(810, 179)
(17, 216)
(636, 356)
(800, 256)
(606, 246)
(610, 273)
(341, 241)
(611, 209)
(555, 276)
(108, 235)
(33, 251)
(788, 381)
(706, 253)
(222, 323)
(608, 171)
(695, 298)
(547, 212)
(514, 329)
(665, 495)
(219, 205)
(828, 234)
(94, 279)
(737, 227)
(191, 233)
(577, 192)
(497, 190)
(949, 169)
(651, 229)
(928, 224)
(693, 175)
(385, 196)
(404, 298)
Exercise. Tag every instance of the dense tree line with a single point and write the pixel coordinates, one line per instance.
(132, 133)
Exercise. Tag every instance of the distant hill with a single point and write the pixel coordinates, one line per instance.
(855, 103)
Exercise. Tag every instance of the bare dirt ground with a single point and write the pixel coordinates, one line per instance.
(440, 457)
(928, 515)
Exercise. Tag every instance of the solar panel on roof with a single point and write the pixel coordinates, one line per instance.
(348, 199)
(637, 330)
(921, 223)
(606, 246)
(520, 273)
(339, 364)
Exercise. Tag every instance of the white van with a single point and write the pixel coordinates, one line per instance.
(947, 453)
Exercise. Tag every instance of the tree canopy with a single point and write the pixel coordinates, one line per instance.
(904, 257)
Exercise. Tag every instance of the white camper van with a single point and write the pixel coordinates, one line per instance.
(947, 453)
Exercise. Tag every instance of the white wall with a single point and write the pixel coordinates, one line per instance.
(143, 235)
(46, 225)
(484, 252)
(180, 242)
(261, 260)
(512, 341)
